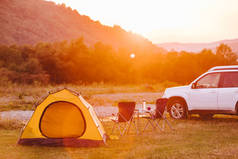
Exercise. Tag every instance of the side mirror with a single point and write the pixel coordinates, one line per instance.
(194, 85)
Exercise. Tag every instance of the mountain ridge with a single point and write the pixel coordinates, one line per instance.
(33, 21)
(197, 47)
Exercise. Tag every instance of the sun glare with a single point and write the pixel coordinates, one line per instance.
(132, 56)
(165, 18)
(136, 16)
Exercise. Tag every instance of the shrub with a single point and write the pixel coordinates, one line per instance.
(11, 124)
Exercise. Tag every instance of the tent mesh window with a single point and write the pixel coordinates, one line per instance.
(62, 120)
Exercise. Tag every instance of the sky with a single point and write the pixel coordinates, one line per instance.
(163, 21)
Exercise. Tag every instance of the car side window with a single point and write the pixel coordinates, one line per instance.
(209, 81)
(230, 79)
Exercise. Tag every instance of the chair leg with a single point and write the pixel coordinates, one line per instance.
(113, 127)
(117, 125)
(122, 129)
(149, 122)
(164, 118)
(158, 126)
(126, 129)
(168, 123)
(137, 129)
(163, 126)
(119, 129)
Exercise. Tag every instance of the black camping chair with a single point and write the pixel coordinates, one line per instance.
(124, 117)
(154, 118)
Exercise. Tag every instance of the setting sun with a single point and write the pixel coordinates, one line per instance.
(132, 56)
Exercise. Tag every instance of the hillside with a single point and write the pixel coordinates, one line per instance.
(33, 21)
(197, 47)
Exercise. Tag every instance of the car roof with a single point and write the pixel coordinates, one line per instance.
(221, 68)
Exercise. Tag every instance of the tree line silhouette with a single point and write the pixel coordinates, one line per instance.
(75, 62)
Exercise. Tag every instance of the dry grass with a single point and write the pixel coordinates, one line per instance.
(10, 124)
(193, 138)
(26, 97)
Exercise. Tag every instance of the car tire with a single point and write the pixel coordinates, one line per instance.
(206, 116)
(177, 109)
(236, 108)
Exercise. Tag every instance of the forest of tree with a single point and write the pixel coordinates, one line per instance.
(102, 55)
(76, 63)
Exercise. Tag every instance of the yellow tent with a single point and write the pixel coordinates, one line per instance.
(64, 118)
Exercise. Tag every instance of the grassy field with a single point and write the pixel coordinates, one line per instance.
(192, 138)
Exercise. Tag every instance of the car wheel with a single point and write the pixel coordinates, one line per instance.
(236, 108)
(177, 109)
(206, 116)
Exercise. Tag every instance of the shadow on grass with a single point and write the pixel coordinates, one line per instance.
(216, 118)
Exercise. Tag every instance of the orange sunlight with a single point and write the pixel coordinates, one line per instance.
(166, 21)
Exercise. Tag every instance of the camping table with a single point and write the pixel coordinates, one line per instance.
(139, 113)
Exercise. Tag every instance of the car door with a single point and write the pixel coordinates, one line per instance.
(228, 93)
(204, 95)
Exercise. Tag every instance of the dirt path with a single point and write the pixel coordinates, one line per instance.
(113, 99)
(21, 115)
(104, 104)
(101, 111)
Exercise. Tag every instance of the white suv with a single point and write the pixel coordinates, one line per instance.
(214, 92)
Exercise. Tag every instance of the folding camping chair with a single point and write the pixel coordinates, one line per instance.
(154, 118)
(124, 117)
